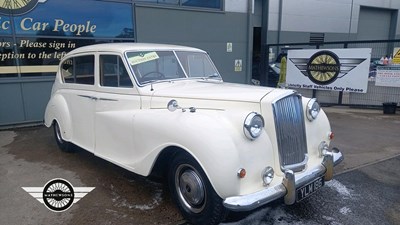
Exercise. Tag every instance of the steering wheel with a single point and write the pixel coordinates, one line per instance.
(159, 74)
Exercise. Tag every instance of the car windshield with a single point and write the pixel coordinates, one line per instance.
(152, 66)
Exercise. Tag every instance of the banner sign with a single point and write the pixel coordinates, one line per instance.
(329, 69)
(388, 76)
(36, 34)
(396, 56)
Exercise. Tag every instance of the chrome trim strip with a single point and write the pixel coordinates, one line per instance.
(289, 181)
(337, 156)
(285, 189)
(297, 166)
(254, 200)
(88, 96)
(108, 99)
(85, 96)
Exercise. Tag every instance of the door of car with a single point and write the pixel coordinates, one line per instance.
(116, 105)
(79, 93)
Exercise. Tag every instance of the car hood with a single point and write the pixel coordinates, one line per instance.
(211, 90)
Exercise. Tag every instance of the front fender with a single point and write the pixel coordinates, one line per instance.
(213, 137)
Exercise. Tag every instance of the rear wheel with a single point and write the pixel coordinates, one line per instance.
(63, 145)
(193, 193)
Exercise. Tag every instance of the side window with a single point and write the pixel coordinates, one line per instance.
(67, 71)
(79, 70)
(113, 72)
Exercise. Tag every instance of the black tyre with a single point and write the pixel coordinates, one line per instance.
(193, 193)
(63, 145)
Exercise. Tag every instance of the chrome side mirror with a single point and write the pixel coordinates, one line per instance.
(172, 105)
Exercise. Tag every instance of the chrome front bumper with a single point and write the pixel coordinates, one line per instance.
(287, 188)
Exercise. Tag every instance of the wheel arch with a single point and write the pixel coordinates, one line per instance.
(162, 162)
(57, 110)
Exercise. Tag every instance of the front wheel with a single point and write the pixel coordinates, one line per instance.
(65, 146)
(193, 193)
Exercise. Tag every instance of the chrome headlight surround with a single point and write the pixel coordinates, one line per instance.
(312, 109)
(253, 125)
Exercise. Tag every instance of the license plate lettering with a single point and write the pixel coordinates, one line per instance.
(309, 189)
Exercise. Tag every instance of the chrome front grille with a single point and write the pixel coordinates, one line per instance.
(290, 132)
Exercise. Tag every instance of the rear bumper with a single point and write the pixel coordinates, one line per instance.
(287, 188)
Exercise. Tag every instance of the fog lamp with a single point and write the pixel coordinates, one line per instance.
(267, 175)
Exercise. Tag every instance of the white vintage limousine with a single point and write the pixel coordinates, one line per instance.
(164, 109)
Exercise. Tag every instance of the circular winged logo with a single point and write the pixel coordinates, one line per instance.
(17, 7)
(58, 195)
(323, 67)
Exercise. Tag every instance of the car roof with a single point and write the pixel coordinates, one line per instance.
(131, 46)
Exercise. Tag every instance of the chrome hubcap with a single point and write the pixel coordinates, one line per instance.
(58, 133)
(190, 188)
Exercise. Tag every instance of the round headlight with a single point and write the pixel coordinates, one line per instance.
(253, 125)
(313, 109)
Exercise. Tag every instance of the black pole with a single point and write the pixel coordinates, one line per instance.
(264, 51)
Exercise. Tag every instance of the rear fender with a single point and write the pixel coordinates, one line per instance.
(57, 110)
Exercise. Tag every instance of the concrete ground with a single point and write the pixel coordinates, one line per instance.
(364, 136)
(29, 157)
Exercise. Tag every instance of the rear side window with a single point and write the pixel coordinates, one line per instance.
(113, 72)
(79, 70)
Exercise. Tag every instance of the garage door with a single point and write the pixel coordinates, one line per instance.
(374, 24)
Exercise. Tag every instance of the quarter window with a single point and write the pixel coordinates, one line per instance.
(113, 72)
(79, 70)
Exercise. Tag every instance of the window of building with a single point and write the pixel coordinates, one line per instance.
(79, 70)
(77, 18)
(8, 57)
(5, 25)
(113, 72)
(213, 4)
(202, 3)
(36, 40)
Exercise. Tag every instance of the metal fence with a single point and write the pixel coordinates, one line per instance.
(375, 96)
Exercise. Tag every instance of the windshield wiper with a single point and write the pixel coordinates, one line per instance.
(149, 81)
(211, 76)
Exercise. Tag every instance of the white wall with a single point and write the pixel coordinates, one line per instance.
(328, 16)
(311, 15)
